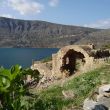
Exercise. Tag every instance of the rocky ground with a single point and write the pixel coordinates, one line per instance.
(100, 99)
(45, 82)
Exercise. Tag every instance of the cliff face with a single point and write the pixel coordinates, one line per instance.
(25, 33)
(99, 38)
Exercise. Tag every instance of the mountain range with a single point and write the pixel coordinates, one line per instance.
(28, 33)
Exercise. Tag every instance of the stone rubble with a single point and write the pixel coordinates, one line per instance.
(68, 94)
(102, 100)
(45, 82)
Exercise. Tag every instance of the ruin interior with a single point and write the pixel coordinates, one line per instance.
(71, 60)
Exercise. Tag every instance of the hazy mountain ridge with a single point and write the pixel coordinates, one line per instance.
(26, 33)
(99, 38)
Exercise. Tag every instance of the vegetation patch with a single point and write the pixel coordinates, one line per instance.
(106, 46)
(15, 95)
(46, 59)
(82, 87)
(14, 89)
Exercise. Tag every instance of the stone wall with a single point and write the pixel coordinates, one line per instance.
(90, 61)
(43, 68)
(64, 62)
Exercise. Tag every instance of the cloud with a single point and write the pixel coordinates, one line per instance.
(7, 15)
(53, 3)
(103, 24)
(25, 7)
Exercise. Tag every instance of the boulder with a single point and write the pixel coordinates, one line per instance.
(104, 88)
(102, 100)
(89, 104)
(92, 105)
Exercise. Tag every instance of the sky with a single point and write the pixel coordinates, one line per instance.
(88, 13)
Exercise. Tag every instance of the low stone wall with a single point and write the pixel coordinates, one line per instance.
(43, 68)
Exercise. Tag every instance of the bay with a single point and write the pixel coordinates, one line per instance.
(23, 56)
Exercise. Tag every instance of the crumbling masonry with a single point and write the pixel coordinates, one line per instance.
(70, 59)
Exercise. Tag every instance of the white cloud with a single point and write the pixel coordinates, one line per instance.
(26, 6)
(7, 15)
(53, 3)
(104, 24)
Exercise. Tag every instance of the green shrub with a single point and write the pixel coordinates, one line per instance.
(13, 88)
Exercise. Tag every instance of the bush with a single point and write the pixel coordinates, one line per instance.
(13, 88)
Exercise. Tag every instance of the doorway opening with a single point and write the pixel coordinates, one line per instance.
(72, 61)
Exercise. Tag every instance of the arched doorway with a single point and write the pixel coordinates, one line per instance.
(71, 60)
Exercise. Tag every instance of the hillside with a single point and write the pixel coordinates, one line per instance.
(77, 89)
(25, 33)
(100, 38)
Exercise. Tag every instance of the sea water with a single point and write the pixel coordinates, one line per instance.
(23, 56)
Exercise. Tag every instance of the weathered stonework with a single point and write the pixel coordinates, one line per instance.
(72, 58)
(71, 53)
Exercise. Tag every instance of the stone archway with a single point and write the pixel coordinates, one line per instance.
(70, 60)
(66, 59)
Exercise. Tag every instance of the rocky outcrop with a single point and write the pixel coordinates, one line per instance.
(102, 101)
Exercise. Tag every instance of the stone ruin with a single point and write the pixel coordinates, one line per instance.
(72, 59)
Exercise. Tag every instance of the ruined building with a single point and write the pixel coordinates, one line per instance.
(71, 59)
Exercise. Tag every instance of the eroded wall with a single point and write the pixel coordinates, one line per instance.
(89, 60)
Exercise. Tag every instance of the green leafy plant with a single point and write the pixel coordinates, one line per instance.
(13, 87)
